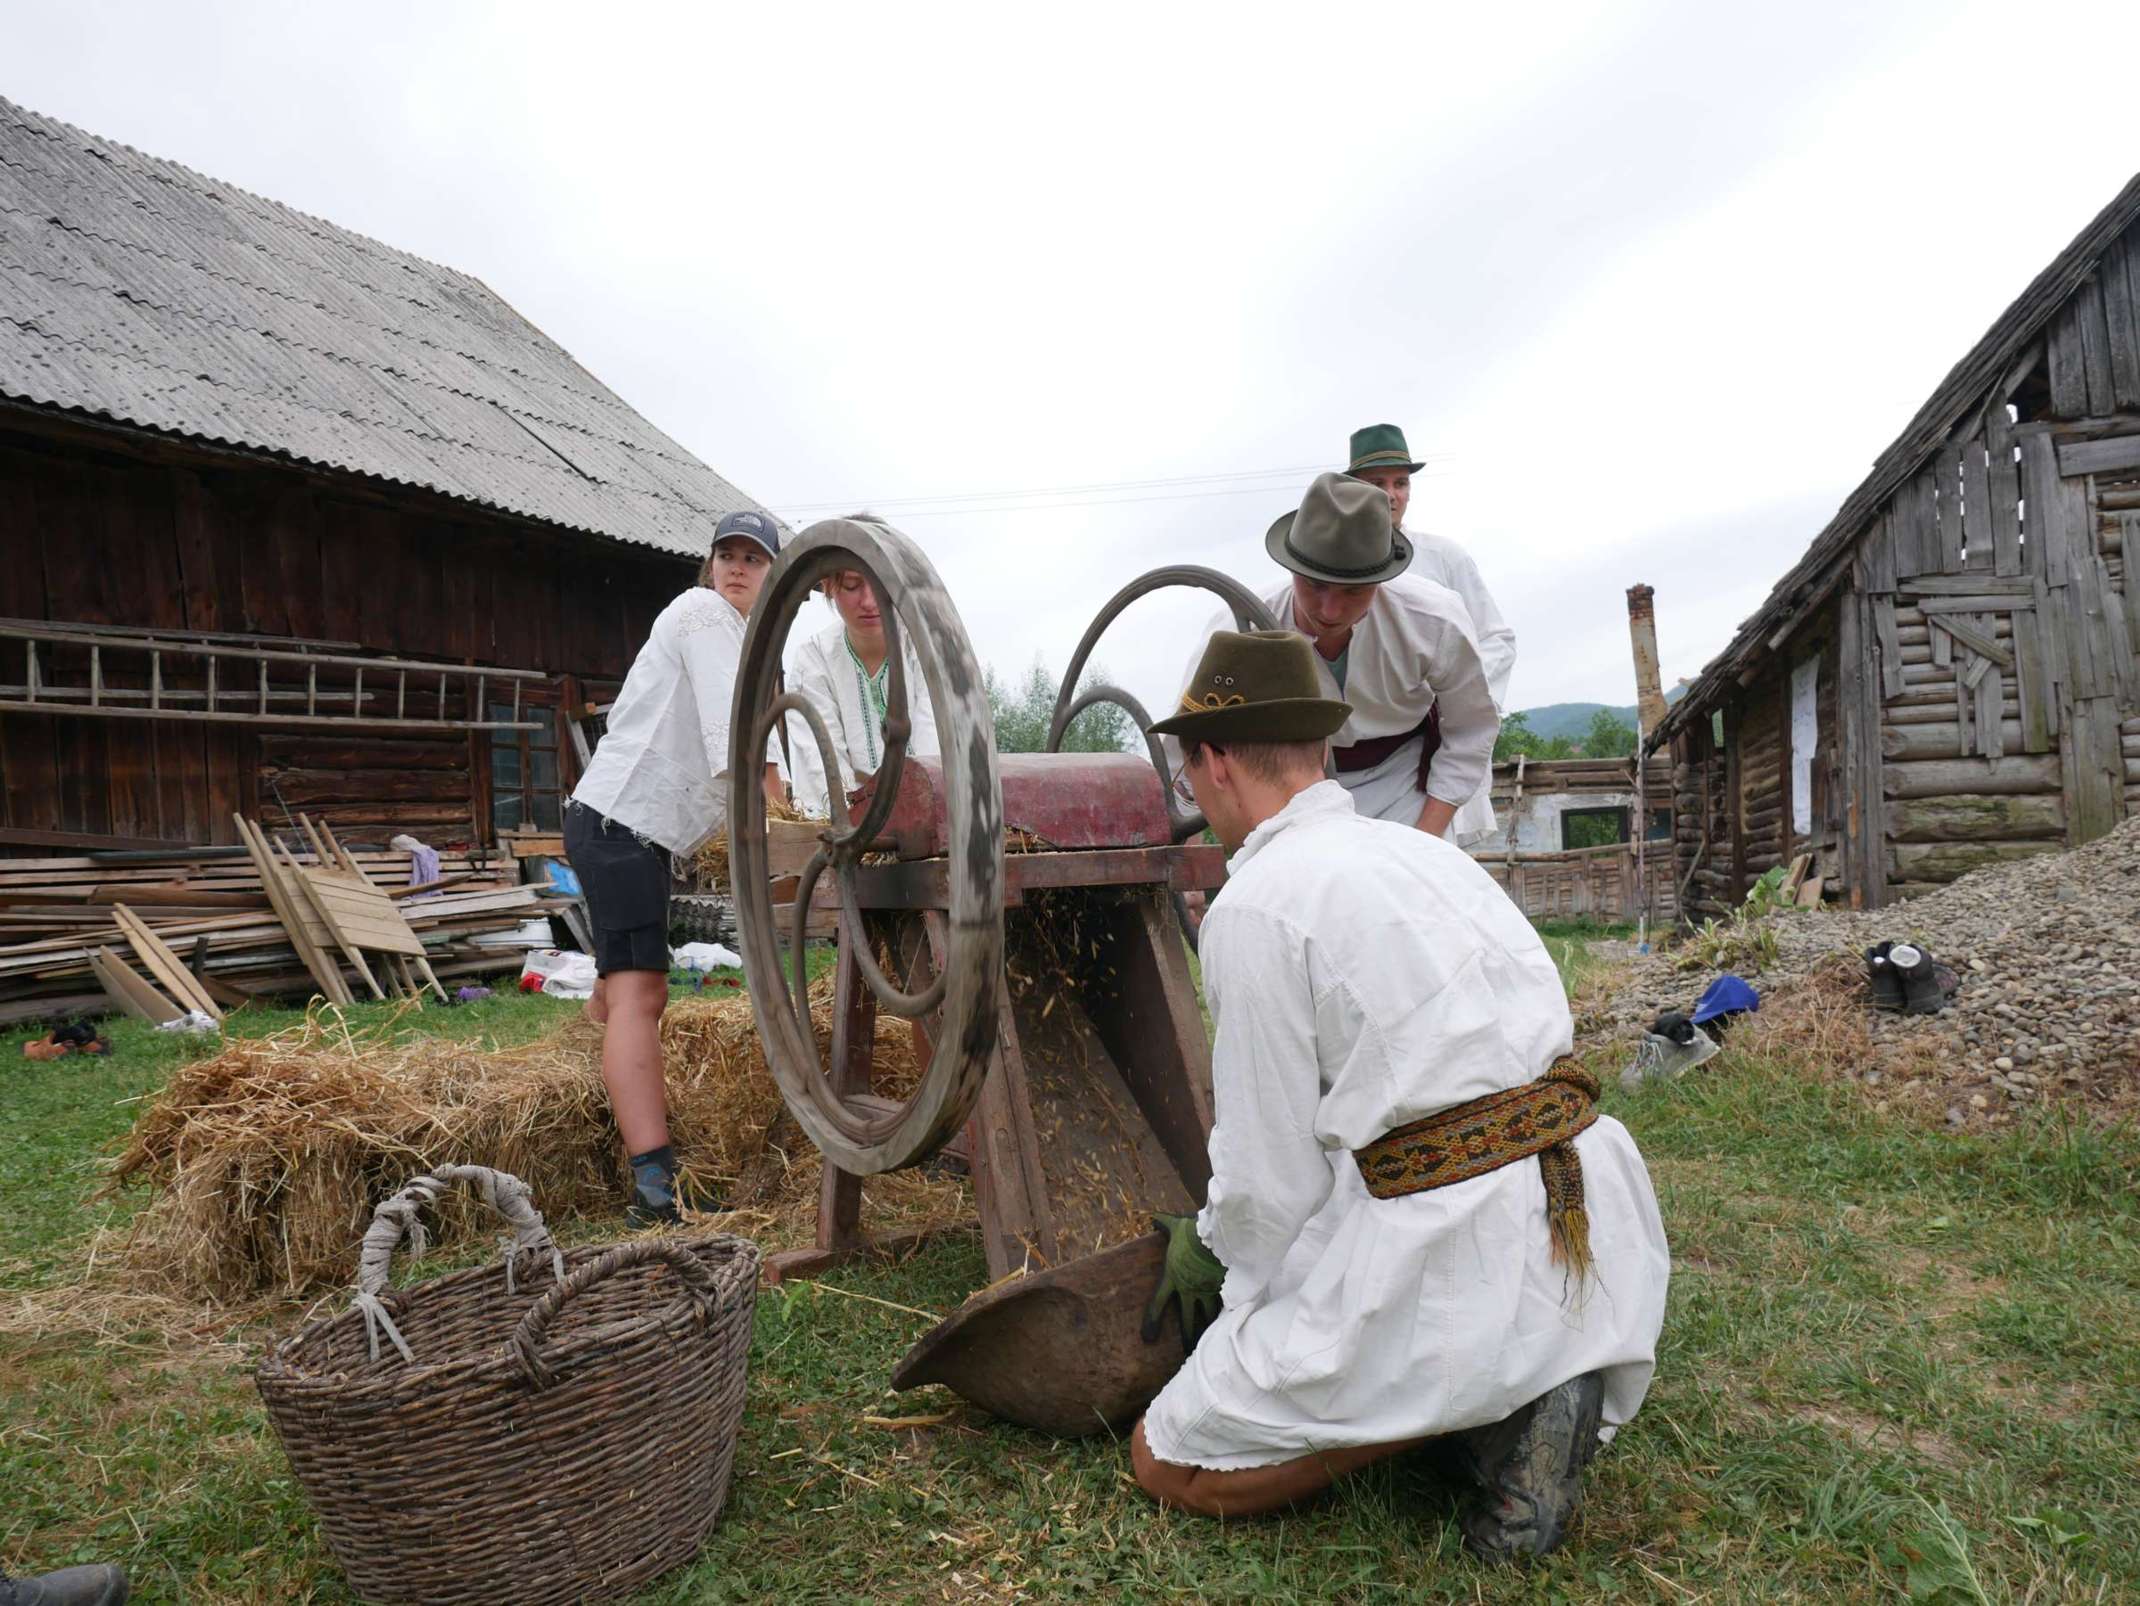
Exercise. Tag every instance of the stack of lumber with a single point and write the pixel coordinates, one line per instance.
(225, 923)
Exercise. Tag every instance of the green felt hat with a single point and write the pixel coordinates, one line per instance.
(1341, 534)
(1381, 446)
(1255, 686)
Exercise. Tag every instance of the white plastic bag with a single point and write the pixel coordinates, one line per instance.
(564, 975)
(705, 956)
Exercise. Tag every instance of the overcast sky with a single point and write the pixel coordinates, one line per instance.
(1649, 284)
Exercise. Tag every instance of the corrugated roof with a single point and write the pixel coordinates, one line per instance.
(136, 289)
(1808, 581)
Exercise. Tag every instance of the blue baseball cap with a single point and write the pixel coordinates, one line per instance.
(1727, 995)
(751, 524)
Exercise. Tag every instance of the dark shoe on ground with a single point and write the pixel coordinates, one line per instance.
(1530, 1471)
(70, 1586)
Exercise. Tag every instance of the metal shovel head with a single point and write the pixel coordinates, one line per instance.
(1060, 1351)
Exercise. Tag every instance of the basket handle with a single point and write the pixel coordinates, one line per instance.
(400, 1216)
(527, 1340)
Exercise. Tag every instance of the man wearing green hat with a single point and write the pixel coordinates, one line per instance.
(1418, 1224)
(1380, 457)
(1419, 742)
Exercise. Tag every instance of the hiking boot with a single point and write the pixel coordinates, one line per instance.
(70, 1586)
(1530, 1471)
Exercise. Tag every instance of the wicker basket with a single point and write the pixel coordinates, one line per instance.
(562, 1442)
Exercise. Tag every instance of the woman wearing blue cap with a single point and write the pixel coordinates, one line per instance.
(656, 788)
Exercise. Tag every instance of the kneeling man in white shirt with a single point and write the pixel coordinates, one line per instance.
(1418, 1223)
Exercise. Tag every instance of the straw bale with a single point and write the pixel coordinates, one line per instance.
(265, 1161)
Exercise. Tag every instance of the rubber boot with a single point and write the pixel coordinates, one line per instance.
(70, 1586)
(1921, 992)
(1530, 1471)
(1885, 979)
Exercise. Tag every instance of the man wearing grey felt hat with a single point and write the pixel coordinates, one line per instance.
(1398, 648)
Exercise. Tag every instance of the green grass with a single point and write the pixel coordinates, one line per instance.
(1898, 1364)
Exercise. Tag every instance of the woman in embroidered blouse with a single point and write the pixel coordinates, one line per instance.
(658, 786)
(845, 671)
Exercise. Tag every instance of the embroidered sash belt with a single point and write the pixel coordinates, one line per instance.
(1365, 755)
(1468, 1140)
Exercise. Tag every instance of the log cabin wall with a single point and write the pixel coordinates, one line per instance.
(111, 528)
(2007, 638)
(1975, 620)
(1701, 825)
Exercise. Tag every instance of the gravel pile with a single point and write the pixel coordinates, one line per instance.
(2047, 949)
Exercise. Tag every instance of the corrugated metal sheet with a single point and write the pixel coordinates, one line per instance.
(138, 290)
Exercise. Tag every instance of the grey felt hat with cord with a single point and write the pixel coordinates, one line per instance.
(1255, 686)
(1341, 534)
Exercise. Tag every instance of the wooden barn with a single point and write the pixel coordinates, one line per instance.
(294, 520)
(1948, 677)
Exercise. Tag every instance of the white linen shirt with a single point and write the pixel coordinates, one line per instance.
(1414, 646)
(1360, 975)
(1440, 559)
(821, 668)
(661, 768)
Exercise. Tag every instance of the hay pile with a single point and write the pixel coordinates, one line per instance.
(267, 1159)
(711, 861)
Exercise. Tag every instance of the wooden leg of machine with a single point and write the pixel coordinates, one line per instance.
(839, 1198)
(854, 1037)
(839, 1205)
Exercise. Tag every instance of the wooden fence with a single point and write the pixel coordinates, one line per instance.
(1588, 883)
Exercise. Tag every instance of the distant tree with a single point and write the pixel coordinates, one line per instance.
(1023, 712)
(1518, 740)
(1609, 736)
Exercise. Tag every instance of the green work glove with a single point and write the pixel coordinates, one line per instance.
(1191, 1278)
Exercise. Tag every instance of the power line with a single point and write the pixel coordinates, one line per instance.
(1266, 481)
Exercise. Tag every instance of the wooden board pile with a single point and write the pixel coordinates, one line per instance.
(292, 914)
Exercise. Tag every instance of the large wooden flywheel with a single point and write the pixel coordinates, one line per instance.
(959, 1002)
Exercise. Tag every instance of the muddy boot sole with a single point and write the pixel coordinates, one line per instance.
(1529, 1469)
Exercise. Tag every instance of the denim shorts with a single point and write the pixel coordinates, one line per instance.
(625, 880)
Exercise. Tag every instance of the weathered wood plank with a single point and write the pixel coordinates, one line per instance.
(2051, 637)
(1976, 507)
(2119, 454)
(2093, 769)
(1974, 632)
(2093, 668)
(1864, 860)
(1976, 818)
(1878, 551)
(1890, 647)
(1916, 543)
(1990, 728)
(2050, 535)
(2012, 775)
(1989, 602)
(2132, 601)
(2095, 346)
(2003, 489)
(2069, 369)
(2124, 324)
(1930, 586)
(1947, 485)
(2031, 683)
